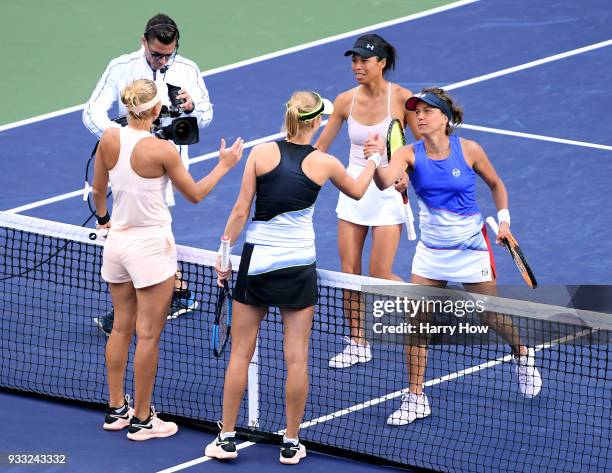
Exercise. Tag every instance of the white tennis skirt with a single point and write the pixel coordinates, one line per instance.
(462, 266)
(375, 208)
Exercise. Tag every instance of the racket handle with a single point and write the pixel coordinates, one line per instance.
(224, 251)
(409, 217)
(493, 224)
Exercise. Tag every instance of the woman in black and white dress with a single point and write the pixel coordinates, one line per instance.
(278, 264)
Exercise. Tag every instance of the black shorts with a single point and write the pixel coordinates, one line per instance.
(292, 288)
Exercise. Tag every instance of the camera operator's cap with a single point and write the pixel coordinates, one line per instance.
(366, 49)
(325, 107)
(430, 99)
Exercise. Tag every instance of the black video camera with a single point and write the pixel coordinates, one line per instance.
(182, 130)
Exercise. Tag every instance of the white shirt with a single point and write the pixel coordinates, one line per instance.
(124, 70)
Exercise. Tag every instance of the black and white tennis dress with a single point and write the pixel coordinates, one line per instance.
(278, 264)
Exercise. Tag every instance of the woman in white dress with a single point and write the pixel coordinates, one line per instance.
(368, 109)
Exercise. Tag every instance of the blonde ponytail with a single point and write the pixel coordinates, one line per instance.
(300, 103)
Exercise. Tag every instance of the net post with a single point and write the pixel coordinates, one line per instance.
(253, 388)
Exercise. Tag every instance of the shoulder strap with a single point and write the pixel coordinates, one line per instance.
(353, 101)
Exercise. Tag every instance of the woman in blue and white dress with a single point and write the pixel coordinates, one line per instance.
(453, 245)
(278, 263)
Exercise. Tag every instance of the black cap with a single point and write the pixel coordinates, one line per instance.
(366, 48)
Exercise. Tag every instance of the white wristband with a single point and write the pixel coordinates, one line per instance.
(231, 248)
(376, 158)
(503, 216)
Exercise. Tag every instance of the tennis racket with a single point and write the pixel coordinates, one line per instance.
(395, 140)
(223, 312)
(517, 255)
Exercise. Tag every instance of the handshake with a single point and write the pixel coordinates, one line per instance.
(375, 144)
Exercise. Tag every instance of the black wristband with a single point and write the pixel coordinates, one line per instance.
(103, 220)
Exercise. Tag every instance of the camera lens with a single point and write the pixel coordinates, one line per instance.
(182, 131)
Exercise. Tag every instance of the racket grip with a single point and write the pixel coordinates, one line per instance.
(224, 251)
(493, 224)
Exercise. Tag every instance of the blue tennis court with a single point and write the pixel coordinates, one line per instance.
(531, 78)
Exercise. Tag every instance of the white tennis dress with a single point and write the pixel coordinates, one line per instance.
(376, 207)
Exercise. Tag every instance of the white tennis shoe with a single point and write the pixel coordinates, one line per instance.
(413, 407)
(352, 354)
(530, 380)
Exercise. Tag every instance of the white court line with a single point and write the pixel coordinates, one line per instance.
(529, 65)
(50, 200)
(456, 85)
(81, 192)
(197, 461)
(250, 144)
(536, 137)
(266, 57)
(387, 397)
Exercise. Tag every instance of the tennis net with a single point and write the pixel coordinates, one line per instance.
(50, 291)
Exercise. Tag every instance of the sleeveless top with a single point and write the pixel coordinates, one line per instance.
(137, 201)
(358, 133)
(446, 190)
(285, 199)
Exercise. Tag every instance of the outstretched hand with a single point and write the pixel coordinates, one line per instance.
(229, 157)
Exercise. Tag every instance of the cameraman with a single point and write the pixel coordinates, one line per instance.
(157, 60)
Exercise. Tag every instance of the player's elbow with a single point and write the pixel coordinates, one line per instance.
(382, 182)
(497, 185)
(240, 211)
(195, 197)
(357, 193)
(379, 183)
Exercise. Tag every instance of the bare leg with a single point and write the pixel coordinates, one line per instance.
(385, 240)
(416, 355)
(351, 238)
(153, 304)
(245, 325)
(297, 325)
(117, 347)
(502, 324)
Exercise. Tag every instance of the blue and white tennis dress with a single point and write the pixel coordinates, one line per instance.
(278, 264)
(454, 245)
